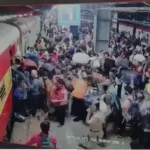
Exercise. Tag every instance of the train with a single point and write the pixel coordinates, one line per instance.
(15, 36)
(134, 29)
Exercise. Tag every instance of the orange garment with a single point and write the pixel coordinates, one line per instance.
(80, 88)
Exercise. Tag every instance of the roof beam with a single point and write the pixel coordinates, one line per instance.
(146, 4)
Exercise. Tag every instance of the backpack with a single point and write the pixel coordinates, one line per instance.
(134, 110)
(46, 142)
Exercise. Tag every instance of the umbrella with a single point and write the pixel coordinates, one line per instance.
(80, 58)
(29, 63)
(49, 67)
(139, 58)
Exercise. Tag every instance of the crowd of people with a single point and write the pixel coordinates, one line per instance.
(112, 86)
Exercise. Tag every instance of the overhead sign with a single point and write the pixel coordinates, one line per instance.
(69, 15)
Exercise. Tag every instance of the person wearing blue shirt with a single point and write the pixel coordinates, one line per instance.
(33, 55)
(20, 97)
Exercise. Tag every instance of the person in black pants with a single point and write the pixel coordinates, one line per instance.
(20, 100)
(60, 113)
(78, 109)
(119, 119)
(35, 100)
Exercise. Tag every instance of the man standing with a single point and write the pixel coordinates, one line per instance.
(95, 119)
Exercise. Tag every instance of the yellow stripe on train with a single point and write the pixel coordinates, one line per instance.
(5, 88)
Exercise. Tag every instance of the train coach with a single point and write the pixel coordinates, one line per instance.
(134, 29)
(15, 37)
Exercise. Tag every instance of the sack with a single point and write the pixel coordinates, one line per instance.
(96, 63)
(80, 58)
(46, 142)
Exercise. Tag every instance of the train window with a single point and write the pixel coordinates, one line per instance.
(2, 91)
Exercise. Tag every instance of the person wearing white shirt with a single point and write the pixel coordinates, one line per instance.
(95, 119)
(105, 108)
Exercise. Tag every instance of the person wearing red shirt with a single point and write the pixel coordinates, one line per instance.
(55, 56)
(59, 100)
(37, 139)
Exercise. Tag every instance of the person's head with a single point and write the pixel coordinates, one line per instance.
(106, 55)
(45, 127)
(107, 99)
(95, 107)
(22, 86)
(123, 55)
(140, 96)
(32, 48)
(60, 83)
(128, 90)
(34, 73)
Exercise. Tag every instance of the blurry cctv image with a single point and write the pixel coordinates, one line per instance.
(75, 76)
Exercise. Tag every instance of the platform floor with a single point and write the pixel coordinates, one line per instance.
(68, 136)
